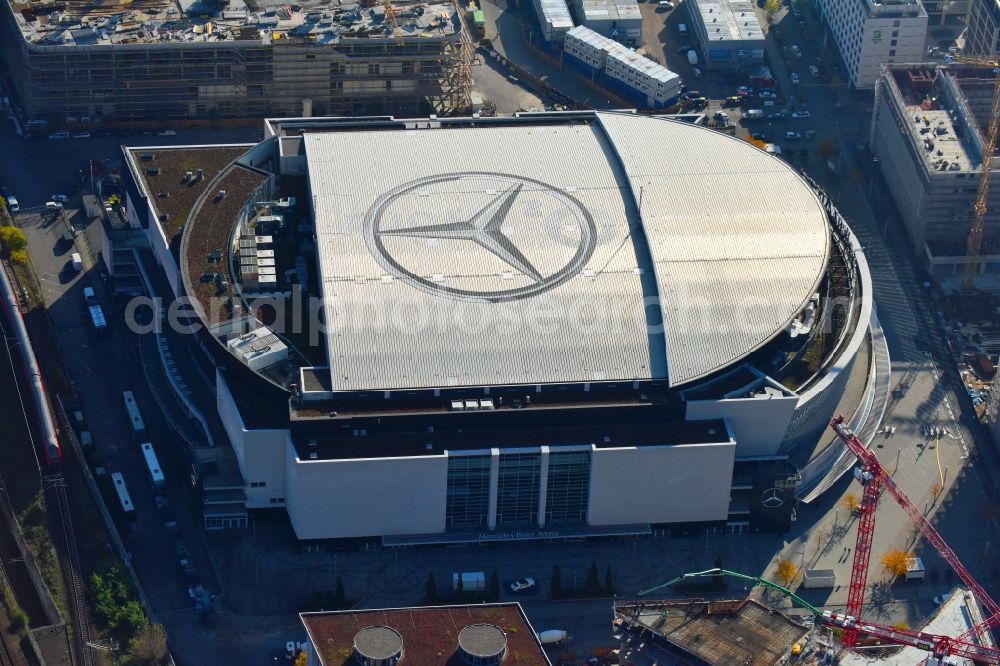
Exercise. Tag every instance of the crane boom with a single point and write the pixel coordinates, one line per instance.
(871, 464)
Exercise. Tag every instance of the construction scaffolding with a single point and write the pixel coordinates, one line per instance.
(157, 60)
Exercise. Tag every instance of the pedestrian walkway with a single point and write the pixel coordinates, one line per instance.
(866, 419)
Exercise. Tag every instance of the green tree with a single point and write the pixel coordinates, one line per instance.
(13, 239)
(339, 596)
(494, 588)
(555, 585)
(609, 582)
(430, 590)
(149, 646)
(593, 578)
(771, 7)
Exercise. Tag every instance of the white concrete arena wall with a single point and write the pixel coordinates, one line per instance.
(661, 484)
(758, 424)
(332, 499)
(260, 453)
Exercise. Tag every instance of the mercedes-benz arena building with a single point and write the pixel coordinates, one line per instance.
(555, 325)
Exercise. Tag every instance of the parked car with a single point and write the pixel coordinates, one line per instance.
(795, 79)
(802, 114)
(59, 198)
(814, 70)
(767, 94)
(59, 135)
(166, 133)
(81, 135)
(744, 91)
(793, 136)
(796, 51)
(696, 72)
(665, 4)
(691, 95)
(53, 205)
(12, 204)
(521, 585)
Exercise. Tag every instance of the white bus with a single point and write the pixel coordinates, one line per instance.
(135, 418)
(123, 497)
(153, 467)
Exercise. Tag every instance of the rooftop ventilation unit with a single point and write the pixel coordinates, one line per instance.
(378, 646)
(482, 645)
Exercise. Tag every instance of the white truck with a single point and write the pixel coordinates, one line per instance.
(77, 261)
(472, 581)
(94, 309)
(693, 57)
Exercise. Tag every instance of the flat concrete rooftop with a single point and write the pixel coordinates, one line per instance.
(428, 635)
(355, 443)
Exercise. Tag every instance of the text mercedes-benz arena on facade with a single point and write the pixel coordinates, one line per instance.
(549, 326)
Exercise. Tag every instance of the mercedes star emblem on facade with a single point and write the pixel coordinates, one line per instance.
(448, 213)
(772, 498)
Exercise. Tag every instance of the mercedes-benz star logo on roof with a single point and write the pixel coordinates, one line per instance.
(528, 236)
(772, 498)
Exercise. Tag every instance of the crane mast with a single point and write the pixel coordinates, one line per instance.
(875, 477)
(974, 241)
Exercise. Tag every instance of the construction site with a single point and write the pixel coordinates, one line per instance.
(750, 633)
(115, 63)
(931, 126)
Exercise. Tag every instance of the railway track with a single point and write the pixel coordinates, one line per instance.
(77, 591)
(6, 656)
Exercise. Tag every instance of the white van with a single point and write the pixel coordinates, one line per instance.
(13, 205)
(77, 261)
(682, 29)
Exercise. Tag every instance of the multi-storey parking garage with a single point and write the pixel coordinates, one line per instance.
(558, 325)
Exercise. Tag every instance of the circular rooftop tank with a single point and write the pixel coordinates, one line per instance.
(378, 646)
(482, 645)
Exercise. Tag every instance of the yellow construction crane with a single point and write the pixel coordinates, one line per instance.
(974, 241)
(390, 14)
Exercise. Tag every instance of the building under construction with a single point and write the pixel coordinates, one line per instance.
(712, 633)
(928, 131)
(101, 62)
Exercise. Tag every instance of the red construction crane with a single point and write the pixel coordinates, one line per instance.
(875, 477)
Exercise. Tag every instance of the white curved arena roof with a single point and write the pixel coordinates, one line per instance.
(631, 248)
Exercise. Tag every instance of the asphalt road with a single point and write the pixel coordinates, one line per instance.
(925, 388)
